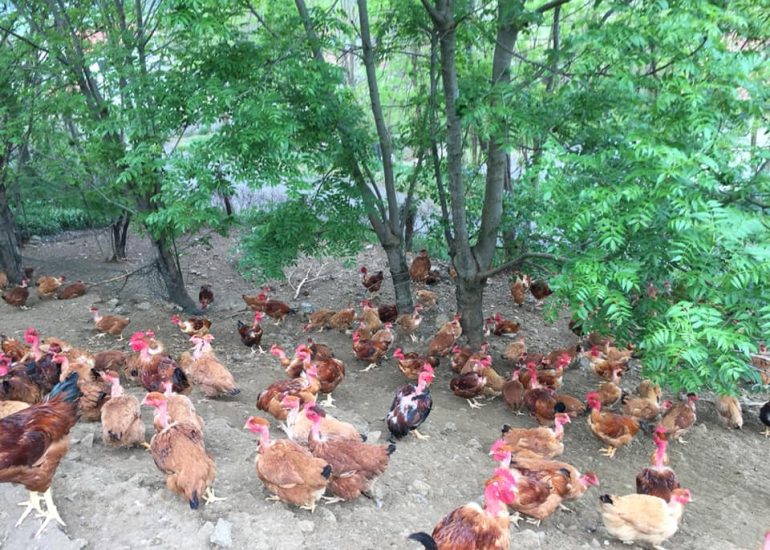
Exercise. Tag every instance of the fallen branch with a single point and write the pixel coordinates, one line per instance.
(305, 280)
(122, 276)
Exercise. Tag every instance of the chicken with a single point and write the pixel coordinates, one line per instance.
(205, 296)
(355, 465)
(32, 443)
(287, 469)
(155, 370)
(513, 392)
(293, 366)
(645, 407)
(251, 335)
(729, 411)
(194, 326)
(305, 388)
(538, 288)
(540, 402)
(613, 429)
(643, 518)
(610, 392)
(502, 326)
(113, 359)
(564, 478)
(472, 527)
(179, 409)
(388, 313)
(121, 416)
(761, 362)
(74, 290)
(255, 303)
(13, 348)
(515, 351)
(550, 378)
(469, 385)
(298, 425)
(426, 299)
(411, 406)
(460, 356)
(18, 386)
(680, 418)
(95, 392)
(420, 267)
(205, 370)
(109, 324)
(444, 340)
(372, 283)
(518, 290)
(408, 323)
(47, 286)
(179, 452)
(277, 310)
(319, 319)
(537, 442)
(342, 320)
(764, 417)
(3, 279)
(17, 296)
(367, 349)
(369, 317)
(658, 480)
(410, 364)
(8, 408)
(330, 371)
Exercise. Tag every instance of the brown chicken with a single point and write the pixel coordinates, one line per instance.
(277, 310)
(444, 340)
(761, 362)
(207, 371)
(409, 322)
(113, 359)
(17, 296)
(368, 349)
(610, 392)
(256, 302)
(426, 299)
(3, 279)
(372, 283)
(472, 527)
(109, 324)
(470, 385)
(343, 320)
(369, 317)
(502, 327)
(8, 408)
(518, 291)
(121, 416)
(513, 392)
(643, 518)
(15, 349)
(251, 335)
(729, 411)
(318, 319)
(388, 313)
(680, 418)
(355, 465)
(298, 425)
(194, 326)
(537, 442)
(18, 386)
(179, 452)
(179, 409)
(330, 371)
(658, 480)
(538, 288)
(410, 364)
(47, 286)
(460, 356)
(645, 407)
(154, 370)
(287, 469)
(564, 478)
(515, 351)
(32, 443)
(205, 296)
(613, 429)
(95, 392)
(419, 270)
(74, 290)
(305, 387)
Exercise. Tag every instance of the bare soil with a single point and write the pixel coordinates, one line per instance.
(117, 498)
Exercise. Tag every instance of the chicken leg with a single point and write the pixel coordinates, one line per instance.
(370, 367)
(50, 513)
(329, 401)
(766, 432)
(419, 436)
(32, 504)
(473, 404)
(609, 452)
(210, 497)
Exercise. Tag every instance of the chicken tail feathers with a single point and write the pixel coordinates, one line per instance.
(327, 471)
(363, 438)
(194, 502)
(647, 427)
(507, 428)
(68, 389)
(425, 539)
(234, 391)
(606, 499)
(391, 449)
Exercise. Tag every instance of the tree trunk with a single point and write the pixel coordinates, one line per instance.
(409, 216)
(168, 265)
(10, 255)
(228, 204)
(401, 281)
(119, 237)
(469, 292)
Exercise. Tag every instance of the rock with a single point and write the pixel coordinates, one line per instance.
(595, 543)
(222, 535)
(35, 240)
(112, 303)
(373, 437)
(206, 530)
(449, 427)
(701, 429)
(327, 515)
(474, 444)
(529, 539)
(88, 440)
(306, 307)
(144, 306)
(306, 526)
(420, 487)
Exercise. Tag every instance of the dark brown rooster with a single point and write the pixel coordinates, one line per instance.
(658, 480)
(539, 288)
(251, 335)
(372, 283)
(205, 296)
(388, 313)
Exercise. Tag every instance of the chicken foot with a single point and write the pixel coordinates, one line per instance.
(329, 401)
(370, 367)
(32, 504)
(609, 452)
(332, 500)
(419, 436)
(766, 433)
(50, 513)
(473, 404)
(209, 496)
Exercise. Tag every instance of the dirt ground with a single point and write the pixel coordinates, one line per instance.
(118, 497)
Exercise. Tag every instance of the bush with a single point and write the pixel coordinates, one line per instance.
(40, 218)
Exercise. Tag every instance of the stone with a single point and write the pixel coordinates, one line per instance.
(35, 240)
(474, 444)
(88, 440)
(112, 303)
(306, 307)
(327, 515)
(222, 535)
(420, 487)
(529, 539)
(449, 427)
(144, 306)
(306, 526)
(374, 436)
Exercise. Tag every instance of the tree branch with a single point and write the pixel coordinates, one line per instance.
(550, 5)
(520, 260)
(676, 59)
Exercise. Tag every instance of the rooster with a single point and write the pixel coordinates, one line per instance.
(32, 443)
(658, 480)
(372, 283)
(538, 288)
(368, 349)
(518, 291)
(411, 406)
(194, 326)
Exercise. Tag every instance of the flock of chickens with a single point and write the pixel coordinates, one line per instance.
(47, 386)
